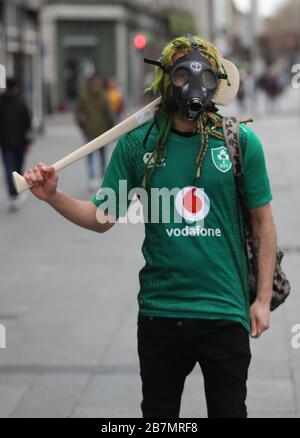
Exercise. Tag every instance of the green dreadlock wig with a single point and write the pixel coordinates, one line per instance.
(207, 123)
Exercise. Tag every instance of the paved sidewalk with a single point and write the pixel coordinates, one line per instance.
(68, 301)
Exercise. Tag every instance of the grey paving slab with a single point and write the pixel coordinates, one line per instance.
(111, 397)
(193, 397)
(123, 349)
(271, 396)
(12, 389)
(50, 396)
(268, 415)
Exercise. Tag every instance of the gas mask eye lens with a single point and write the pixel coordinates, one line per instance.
(181, 77)
(208, 80)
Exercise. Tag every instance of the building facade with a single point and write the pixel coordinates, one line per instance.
(83, 37)
(20, 53)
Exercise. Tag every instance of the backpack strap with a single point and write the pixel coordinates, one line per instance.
(231, 130)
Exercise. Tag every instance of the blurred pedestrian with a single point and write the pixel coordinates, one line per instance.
(250, 84)
(115, 97)
(94, 116)
(15, 138)
(241, 97)
(273, 90)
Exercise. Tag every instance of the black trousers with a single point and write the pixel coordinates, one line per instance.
(13, 159)
(169, 350)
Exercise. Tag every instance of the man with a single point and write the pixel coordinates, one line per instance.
(94, 116)
(15, 127)
(194, 295)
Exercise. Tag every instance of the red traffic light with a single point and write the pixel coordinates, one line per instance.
(140, 41)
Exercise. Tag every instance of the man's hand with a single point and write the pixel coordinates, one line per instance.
(43, 180)
(260, 317)
(264, 235)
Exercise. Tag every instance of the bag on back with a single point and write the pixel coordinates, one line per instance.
(281, 285)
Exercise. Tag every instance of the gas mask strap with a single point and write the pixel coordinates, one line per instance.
(194, 45)
(159, 64)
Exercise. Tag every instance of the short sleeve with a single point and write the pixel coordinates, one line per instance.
(118, 181)
(256, 179)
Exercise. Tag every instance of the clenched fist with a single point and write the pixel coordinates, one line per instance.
(43, 180)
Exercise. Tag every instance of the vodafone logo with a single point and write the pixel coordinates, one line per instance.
(192, 204)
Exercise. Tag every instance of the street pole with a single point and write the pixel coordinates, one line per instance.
(254, 37)
(254, 56)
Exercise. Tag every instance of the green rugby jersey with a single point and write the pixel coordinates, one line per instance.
(193, 269)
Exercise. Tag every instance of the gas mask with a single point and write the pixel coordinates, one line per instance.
(193, 83)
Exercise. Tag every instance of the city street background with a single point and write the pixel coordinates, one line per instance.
(68, 299)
